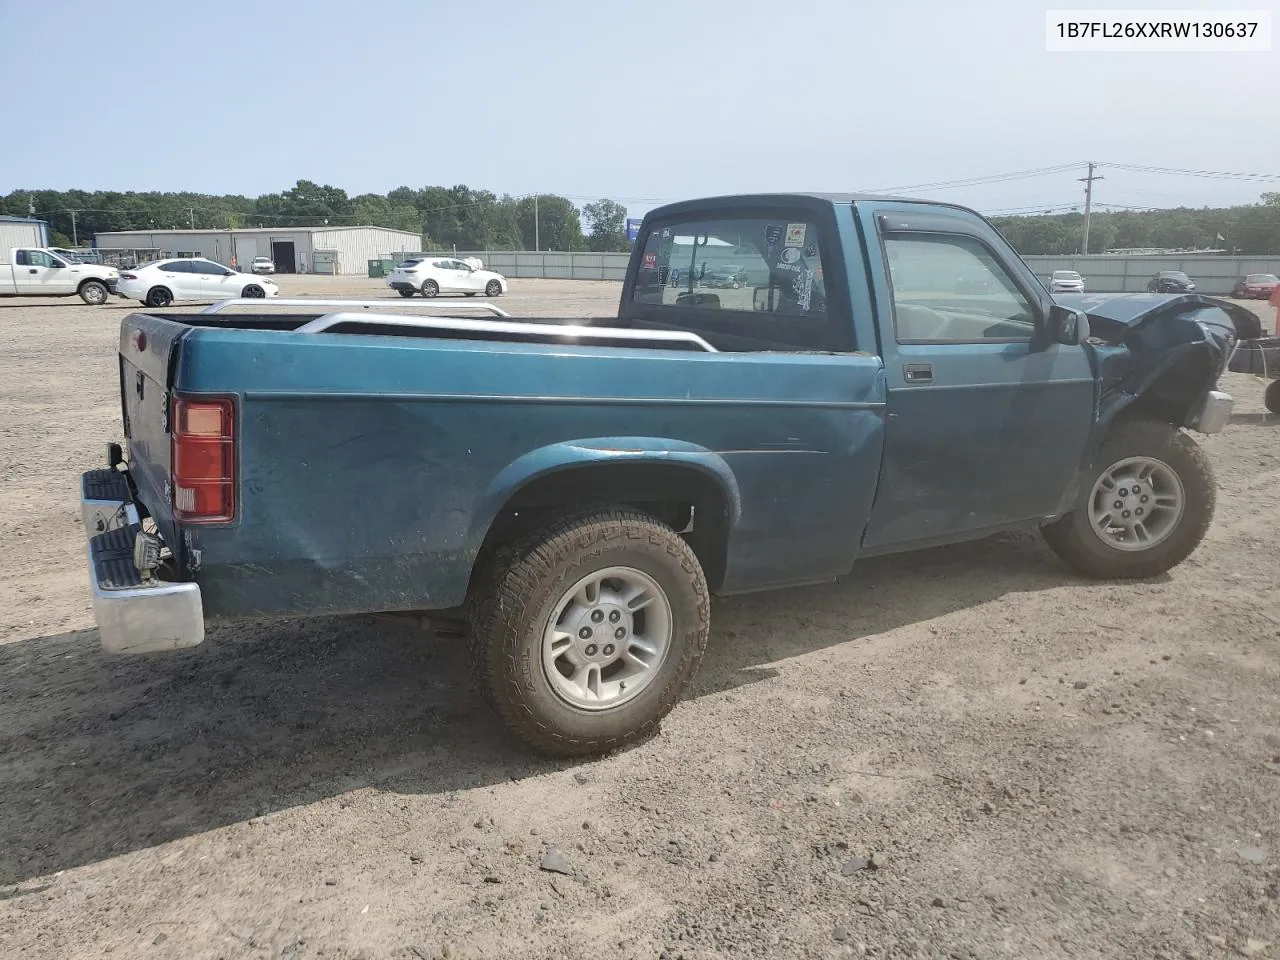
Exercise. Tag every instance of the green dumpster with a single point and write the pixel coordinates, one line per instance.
(379, 268)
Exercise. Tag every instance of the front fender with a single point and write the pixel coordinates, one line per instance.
(571, 454)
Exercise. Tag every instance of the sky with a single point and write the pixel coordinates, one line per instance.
(640, 102)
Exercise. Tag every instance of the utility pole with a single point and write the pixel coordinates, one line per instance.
(192, 212)
(536, 238)
(75, 237)
(1088, 203)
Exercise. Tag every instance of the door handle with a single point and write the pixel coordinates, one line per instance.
(918, 373)
(32, 270)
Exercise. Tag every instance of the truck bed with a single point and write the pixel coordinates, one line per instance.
(374, 452)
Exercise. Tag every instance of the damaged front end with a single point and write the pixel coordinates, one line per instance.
(1161, 355)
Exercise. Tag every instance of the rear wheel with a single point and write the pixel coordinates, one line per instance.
(493, 289)
(430, 288)
(1144, 508)
(158, 297)
(584, 635)
(404, 291)
(1272, 396)
(94, 292)
(253, 292)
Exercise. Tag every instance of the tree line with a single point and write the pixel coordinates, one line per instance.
(1251, 230)
(471, 219)
(446, 217)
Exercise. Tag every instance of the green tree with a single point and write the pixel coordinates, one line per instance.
(608, 221)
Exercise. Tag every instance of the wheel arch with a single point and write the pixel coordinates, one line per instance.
(677, 482)
(1168, 392)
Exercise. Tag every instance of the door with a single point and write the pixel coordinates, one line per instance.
(467, 278)
(986, 422)
(446, 274)
(246, 250)
(40, 273)
(177, 276)
(216, 282)
(282, 253)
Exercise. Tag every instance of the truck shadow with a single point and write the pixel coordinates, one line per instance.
(103, 756)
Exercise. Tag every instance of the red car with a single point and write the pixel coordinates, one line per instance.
(1256, 286)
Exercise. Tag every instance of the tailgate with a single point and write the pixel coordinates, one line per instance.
(148, 359)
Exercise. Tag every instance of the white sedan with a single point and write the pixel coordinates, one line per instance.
(445, 275)
(161, 282)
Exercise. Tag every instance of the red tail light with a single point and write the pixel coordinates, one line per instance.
(128, 276)
(204, 459)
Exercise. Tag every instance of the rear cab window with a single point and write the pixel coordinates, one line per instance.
(743, 281)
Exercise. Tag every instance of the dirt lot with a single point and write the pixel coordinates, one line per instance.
(1045, 767)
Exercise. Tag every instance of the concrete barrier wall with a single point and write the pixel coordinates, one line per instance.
(1103, 274)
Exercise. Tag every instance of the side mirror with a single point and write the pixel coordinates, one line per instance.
(55, 265)
(1067, 326)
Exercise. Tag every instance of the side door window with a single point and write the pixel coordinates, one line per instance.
(755, 281)
(949, 288)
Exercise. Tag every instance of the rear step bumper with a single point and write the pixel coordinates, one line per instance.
(134, 615)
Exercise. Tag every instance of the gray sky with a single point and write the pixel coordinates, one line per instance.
(644, 101)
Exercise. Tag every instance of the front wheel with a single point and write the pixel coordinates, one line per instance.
(584, 635)
(94, 293)
(493, 289)
(253, 292)
(1144, 507)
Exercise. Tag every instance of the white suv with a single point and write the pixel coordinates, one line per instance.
(262, 265)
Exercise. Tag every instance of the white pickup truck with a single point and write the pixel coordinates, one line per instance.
(39, 272)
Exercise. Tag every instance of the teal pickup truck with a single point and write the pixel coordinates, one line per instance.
(891, 376)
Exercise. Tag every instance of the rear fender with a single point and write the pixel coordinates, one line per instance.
(586, 454)
(571, 454)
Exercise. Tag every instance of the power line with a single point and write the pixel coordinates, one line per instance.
(1207, 174)
(976, 181)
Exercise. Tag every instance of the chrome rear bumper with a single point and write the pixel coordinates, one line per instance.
(134, 615)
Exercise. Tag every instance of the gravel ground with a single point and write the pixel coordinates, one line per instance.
(1041, 766)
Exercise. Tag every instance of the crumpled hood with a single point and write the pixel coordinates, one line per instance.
(1112, 314)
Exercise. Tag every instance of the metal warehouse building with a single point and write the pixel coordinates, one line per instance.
(22, 232)
(334, 250)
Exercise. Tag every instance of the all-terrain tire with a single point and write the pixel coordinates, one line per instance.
(1073, 539)
(519, 588)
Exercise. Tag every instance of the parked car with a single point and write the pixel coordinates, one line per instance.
(730, 275)
(1066, 281)
(161, 282)
(433, 276)
(39, 272)
(578, 492)
(262, 265)
(1255, 286)
(1170, 281)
